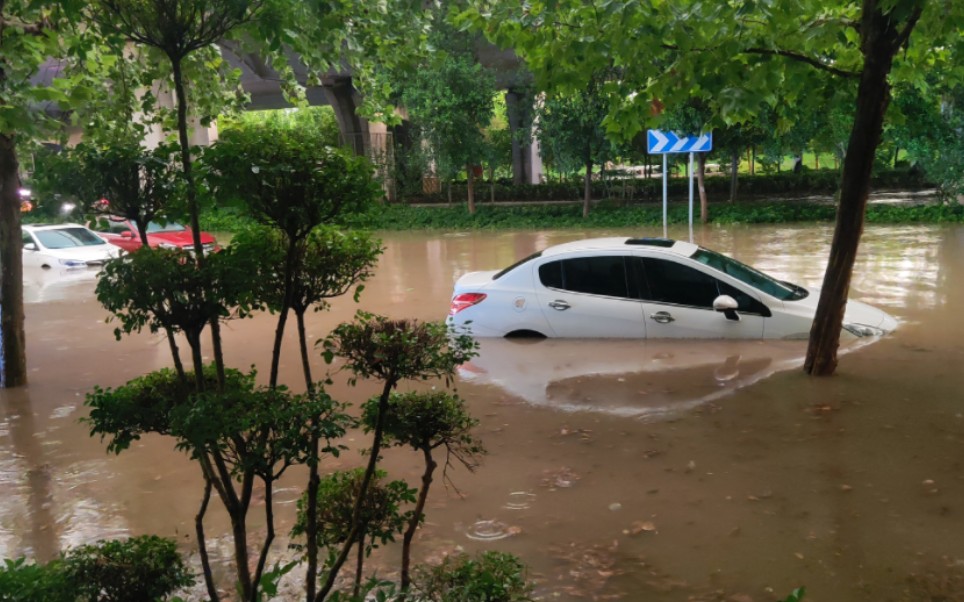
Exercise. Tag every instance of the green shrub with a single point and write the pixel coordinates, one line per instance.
(489, 577)
(142, 569)
(145, 568)
(23, 582)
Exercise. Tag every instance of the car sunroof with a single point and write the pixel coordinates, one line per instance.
(652, 242)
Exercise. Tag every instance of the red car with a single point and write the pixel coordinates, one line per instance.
(168, 235)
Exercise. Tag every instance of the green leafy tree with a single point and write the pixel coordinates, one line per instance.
(426, 422)
(180, 30)
(31, 33)
(327, 264)
(450, 102)
(163, 290)
(929, 128)
(571, 125)
(375, 347)
(290, 181)
(751, 51)
(238, 433)
(137, 183)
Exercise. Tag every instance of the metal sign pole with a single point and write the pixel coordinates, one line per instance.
(691, 196)
(665, 196)
(659, 142)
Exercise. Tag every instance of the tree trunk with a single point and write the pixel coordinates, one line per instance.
(701, 185)
(311, 510)
(268, 538)
(13, 340)
(359, 566)
(881, 38)
(734, 173)
(192, 202)
(470, 189)
(491, 183)
(752, 160)
(430, 466)
(202, 542)
(587, 189)
(367, 477)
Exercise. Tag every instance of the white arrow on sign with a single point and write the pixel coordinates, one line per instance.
(679, 145)
(701, 142)
(661, 141)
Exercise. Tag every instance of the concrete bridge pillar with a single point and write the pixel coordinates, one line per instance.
(345, 100)
(364, 138)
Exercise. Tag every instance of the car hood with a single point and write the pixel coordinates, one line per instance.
(857, 312)
(181, 238)
(88, 253)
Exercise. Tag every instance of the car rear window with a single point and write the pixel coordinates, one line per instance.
(517, 264)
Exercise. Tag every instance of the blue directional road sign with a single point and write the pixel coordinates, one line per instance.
(667, 142)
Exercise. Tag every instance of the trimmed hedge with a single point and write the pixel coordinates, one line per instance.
(806, 182)
(515, 217)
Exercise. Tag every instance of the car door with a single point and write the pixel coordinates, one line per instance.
(31, 256)
(678, 302)
(121, 233)
(589, 296)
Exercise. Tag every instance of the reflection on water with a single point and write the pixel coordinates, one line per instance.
(628, 470)
(640, 379)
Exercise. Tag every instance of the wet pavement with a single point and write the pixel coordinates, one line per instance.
(653, 470)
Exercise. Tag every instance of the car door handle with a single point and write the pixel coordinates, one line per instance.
(663, 317)
(559, 304)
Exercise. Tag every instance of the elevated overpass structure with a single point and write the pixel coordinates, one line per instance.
(371, 139)
(263, 85)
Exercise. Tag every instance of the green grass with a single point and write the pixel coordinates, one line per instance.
(487, 217)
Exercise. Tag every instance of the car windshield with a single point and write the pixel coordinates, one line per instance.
(165, 227)
(65, 238)
(747, 275)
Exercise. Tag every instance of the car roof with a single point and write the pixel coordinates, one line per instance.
(51, 226)
(623, 243)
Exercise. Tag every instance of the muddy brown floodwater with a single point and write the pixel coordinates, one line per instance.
(617, 470)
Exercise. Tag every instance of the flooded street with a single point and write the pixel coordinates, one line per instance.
(635, 470)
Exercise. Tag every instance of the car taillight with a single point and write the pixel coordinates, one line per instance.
(460, 302)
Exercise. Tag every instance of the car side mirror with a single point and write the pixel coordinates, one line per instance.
(727, 305)
(29, 246)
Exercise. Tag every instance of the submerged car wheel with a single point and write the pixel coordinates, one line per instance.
(525, 334)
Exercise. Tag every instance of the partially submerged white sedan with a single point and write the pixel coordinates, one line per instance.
(64, 247)
(641, 288)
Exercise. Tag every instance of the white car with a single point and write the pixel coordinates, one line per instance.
(641, 288)
(64, 246)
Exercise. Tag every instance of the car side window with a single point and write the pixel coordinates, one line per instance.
(119, 227)
(27, 239)
(605, 275)
(671, 282)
